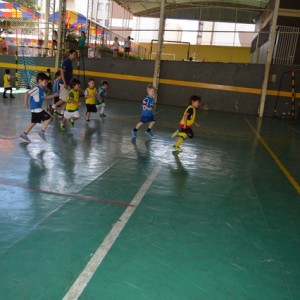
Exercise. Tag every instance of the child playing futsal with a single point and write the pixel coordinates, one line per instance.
(185, 125)
(147, 113)
(71, 113)
(90, 95)
(35, 103)
(7, 83)
(57, 78)
(102, 95)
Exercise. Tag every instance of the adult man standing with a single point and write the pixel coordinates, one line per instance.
(66, 73)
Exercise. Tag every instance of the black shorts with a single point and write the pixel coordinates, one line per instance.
(39, 117)
(91, 108)
(127, 50)
(188, 131)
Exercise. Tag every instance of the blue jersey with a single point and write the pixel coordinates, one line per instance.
(36, 98)
(56, 86)
(147, 102)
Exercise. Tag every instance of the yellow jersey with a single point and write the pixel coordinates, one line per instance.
(6, 79)
(191, 117)
(70, 105)
(92, 93)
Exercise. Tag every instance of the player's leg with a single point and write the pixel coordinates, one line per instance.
(4, 92)
(148, 131)
(135, 129)
(11, 90)
(102, 108)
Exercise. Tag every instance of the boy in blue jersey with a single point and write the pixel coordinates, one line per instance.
(33, 99)
(147, 113)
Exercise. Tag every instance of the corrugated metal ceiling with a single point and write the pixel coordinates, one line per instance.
(239, 11)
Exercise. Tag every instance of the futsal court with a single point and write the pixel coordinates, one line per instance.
(93, 214)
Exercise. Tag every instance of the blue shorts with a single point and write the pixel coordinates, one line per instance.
(147, 119)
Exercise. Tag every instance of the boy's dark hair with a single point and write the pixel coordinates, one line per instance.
(73, 82)
(72, 51)
(57, 73)
(48, 70)
(104, 82)
(194, 98)
(41, 76)
(91, 79)
(7, 71)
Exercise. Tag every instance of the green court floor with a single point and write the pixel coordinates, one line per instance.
(93, 214)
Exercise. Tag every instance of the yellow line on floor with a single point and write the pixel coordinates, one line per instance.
(276, 159)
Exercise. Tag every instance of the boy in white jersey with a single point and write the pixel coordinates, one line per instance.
(33, 99)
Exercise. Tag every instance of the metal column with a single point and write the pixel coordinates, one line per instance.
(61, 33)
(159, 45)
(269, 59)
(49, 10)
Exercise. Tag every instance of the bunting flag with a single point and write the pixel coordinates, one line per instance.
(76, 21)
(11, 10)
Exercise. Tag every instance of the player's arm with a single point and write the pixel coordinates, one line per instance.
(87, 95)
(147, 107)
(63, 78)
(197, 124)
(185, 117)
(98, 97)
(101, 96)
(26, 100)
(71, 100)
(51, 96)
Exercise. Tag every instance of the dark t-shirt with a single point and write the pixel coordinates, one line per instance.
(68, 67)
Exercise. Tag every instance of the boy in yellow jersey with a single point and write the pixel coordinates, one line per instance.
(71, 113)
(185, 125)
(90, 96)
(7, 83)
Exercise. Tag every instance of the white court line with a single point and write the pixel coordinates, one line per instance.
(85, 276)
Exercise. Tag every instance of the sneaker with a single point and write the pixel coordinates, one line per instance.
(42, 136)
(175, 133)
(102, 115)
(12, 96)
(60, 115)
(25, 138)
(177, 148)
(62, 127)
(149, 133)
(87, 121)
(4, 96)
(134, 133)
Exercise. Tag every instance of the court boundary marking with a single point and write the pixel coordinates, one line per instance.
(92, 266)
(78, 196)
(281, 166)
